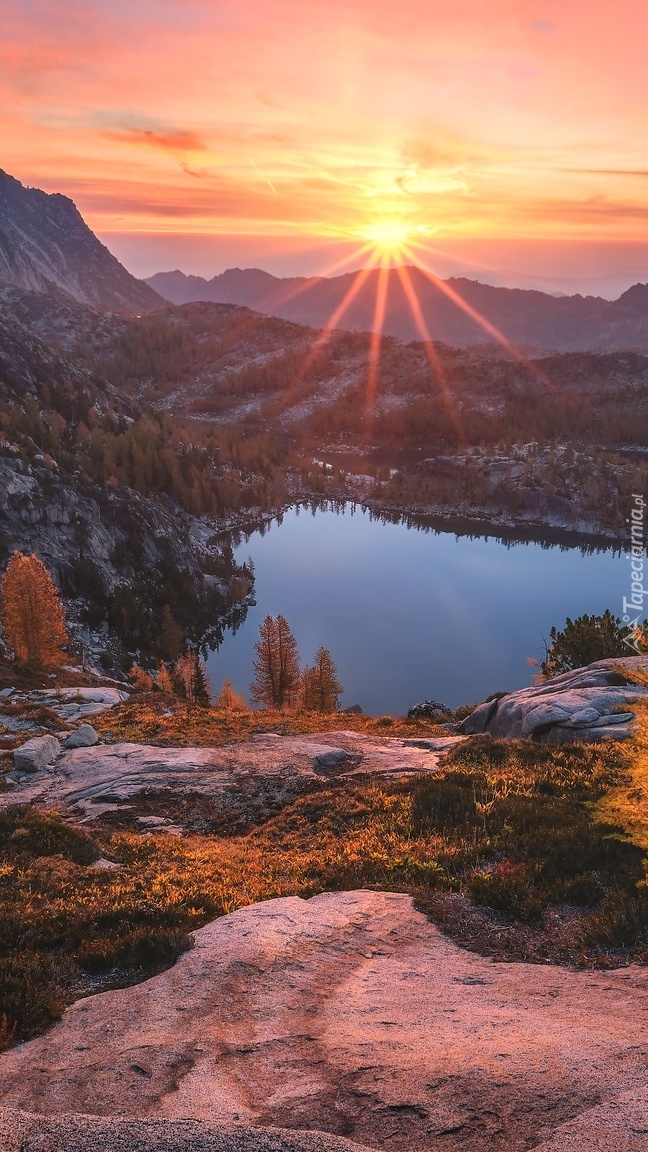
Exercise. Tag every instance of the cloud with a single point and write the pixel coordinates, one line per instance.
(642, 173)
(172, 140)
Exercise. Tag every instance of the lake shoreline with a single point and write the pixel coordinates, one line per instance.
(506, 529)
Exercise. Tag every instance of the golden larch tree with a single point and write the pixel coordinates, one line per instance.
(320, 684)
(191, 680)
(229, 700)
(31, 613)
(277, 677)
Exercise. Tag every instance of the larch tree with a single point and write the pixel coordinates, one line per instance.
(163, 679)
(230, 700)
(31, 613)
(140, 679)
(191, 679)
(277, 677)
(320, 684)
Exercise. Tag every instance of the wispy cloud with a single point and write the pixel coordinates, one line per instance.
(473, 119)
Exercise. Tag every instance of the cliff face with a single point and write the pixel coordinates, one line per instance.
(46, 245)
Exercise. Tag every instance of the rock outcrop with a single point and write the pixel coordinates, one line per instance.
(348, 1013)
(592, 703)
(21, 1132)
(100, 779)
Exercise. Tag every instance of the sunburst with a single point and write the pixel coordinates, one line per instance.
(392, 246)
(391, 237)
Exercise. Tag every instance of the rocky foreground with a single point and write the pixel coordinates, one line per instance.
(344, 1022)
(349, 1014)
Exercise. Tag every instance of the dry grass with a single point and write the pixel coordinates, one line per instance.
(512, 849)
(508, 825)
(143, 720)
(627, 804)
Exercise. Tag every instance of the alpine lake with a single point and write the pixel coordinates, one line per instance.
(411, 612)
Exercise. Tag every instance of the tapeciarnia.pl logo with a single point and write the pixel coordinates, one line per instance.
(636, 554)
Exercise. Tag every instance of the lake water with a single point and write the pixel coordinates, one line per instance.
(410, 615)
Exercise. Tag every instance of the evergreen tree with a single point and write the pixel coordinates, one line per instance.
(31, 613)
(191, 680)
(590, 638)
(320, 684)
(171, 636)
(277, 676)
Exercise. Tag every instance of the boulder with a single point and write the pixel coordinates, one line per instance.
(429, 710)
(84, 737)
(36, 753)
(330, 761)
(591, 704)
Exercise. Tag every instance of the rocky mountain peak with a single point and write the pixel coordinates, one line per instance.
(46, 245)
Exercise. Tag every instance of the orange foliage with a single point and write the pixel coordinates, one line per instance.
(31, 613)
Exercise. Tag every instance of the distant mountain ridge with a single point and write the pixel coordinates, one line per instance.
(525, 317)
(45, 246)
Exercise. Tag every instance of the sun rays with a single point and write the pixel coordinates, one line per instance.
(391, 249)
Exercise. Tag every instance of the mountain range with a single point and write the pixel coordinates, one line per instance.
(449, 308)
(46, 246)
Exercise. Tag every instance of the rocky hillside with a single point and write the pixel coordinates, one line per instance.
(100, 492)
(555, 442)
(45, 246)
(527, 318)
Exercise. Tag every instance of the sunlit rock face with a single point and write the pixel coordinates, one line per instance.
(348, 1013)
(45, 244)
(242, 779)
(593, 703)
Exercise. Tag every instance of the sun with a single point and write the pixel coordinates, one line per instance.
(392, 239)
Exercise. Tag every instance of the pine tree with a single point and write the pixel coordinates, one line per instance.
(171, 636)
(277, 676)
(320, 684)
(31, 613)
(590, 638)
(191, 680)
(230, 700)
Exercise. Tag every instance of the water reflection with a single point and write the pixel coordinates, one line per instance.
(411, 608)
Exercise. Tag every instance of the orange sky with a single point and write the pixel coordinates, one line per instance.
(476, 120)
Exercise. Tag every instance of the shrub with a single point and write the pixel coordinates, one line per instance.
(145, 947)
(446, 802)
(26, 831)
(31, 996)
